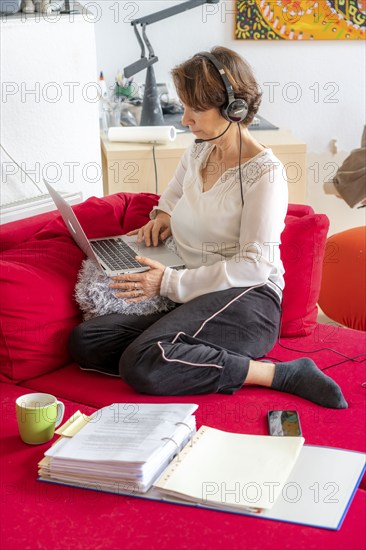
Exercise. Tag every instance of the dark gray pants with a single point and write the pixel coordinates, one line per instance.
(202, 346)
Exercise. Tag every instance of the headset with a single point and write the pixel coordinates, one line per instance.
(234, 109)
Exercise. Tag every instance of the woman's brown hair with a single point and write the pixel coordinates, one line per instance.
(200, 86)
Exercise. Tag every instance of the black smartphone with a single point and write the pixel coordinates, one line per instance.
(284, 423)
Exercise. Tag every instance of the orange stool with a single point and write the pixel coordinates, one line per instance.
(343, 289)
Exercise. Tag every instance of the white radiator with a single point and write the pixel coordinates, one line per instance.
(31, 206)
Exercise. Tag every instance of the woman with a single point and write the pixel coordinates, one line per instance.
(225, 208)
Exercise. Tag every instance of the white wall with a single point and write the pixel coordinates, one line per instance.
(329, 80)
(50, 121)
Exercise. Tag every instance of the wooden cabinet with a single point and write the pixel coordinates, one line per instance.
(130, 166)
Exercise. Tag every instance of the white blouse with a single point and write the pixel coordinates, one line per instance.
(223, 243)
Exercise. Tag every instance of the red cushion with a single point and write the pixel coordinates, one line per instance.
(299, 210)
(137, 213)
(38, 278)
(98, 217)
(17, 232)
(37, 309)
(302, 252)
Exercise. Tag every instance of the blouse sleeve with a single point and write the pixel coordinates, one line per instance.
(262, 222)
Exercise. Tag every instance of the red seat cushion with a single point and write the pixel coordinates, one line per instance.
(38, 277)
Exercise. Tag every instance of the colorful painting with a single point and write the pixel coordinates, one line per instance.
(300, 20)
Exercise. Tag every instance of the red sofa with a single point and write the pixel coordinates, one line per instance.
(39, 264)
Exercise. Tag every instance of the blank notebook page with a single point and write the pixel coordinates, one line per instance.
(236, 469)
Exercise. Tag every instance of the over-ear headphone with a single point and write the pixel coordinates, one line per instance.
(234, 109)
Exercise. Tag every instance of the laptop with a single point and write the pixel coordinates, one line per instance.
(113, 255)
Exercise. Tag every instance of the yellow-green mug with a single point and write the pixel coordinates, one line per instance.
(38, 415)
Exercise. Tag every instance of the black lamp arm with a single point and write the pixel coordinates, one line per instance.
(147, 42)
(143, 62)
(140, 41)
(174, 10)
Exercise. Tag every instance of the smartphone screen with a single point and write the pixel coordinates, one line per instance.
(284, 423)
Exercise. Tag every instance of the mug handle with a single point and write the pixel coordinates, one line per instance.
(60, 413)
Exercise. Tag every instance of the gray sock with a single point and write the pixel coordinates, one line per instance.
(302, 377)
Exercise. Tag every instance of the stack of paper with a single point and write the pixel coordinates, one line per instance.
(123, 448)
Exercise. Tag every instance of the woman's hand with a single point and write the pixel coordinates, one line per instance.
(135, 287)
(150, 232)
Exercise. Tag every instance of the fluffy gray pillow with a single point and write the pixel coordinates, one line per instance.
(95, 298)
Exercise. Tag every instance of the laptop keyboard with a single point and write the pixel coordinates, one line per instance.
(115, 253)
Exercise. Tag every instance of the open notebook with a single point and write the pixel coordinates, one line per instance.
(224, 469)
(236, 473)
(162, 458)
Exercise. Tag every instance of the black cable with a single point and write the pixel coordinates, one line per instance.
(345, 361)
(155, 171)
(347, 358)
(240, 174)
(22, 169)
